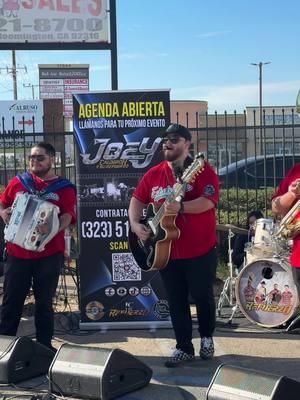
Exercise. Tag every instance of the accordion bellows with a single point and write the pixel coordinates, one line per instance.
(28, 211)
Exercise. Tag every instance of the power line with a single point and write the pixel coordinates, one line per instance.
(32, 88)
(13, 71)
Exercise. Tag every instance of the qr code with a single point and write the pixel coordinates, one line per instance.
(124, 268)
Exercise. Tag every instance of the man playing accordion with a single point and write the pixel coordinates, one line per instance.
(40, 269)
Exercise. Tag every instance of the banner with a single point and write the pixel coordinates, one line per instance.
(20, 123)
(118, 140)
(45, 22)
(21, 116)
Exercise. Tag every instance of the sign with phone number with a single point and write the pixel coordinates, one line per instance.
(53, 21)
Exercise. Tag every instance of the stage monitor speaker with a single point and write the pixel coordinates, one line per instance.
(21, 358)
(96, 373)
(236, 383)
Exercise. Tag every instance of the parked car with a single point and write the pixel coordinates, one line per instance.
(257, 172)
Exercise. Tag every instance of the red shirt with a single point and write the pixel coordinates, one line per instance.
(286, 298)
(197, 231)
(293, 174)
(66, 201)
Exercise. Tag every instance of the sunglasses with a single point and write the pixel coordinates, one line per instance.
(38, 157)
(173, 140)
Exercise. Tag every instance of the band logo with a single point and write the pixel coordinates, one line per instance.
(138, 154)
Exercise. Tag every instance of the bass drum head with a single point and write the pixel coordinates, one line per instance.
(266, 292)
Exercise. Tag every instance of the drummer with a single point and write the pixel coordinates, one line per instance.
(238, 254)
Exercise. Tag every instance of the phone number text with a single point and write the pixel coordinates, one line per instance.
(52, 25)
(104, 229)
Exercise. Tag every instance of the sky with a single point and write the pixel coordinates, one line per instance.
(200, 50)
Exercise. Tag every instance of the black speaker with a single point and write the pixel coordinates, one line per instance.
(21, 358)
(236, 383)
(95, 373)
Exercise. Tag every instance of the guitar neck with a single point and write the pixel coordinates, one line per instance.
(178, 190)
(180, 187)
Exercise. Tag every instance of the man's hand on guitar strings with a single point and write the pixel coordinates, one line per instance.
(172, 208)
(141, 231)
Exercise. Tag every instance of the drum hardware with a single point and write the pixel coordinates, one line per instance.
(233, 228)
(293, 324)
(228, 288)
(234, 309)
(64, 284)
(69, 269)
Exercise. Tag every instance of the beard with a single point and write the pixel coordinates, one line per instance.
(172, 155)
(41, 173)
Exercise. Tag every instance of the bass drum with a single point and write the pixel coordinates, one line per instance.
(266, 292)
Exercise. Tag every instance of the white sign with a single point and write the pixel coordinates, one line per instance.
(40, 21)
(51, 89)
(68, 101)
(21, 116)
(54, 95)
(59, 81)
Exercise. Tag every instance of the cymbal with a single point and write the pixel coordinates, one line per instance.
(233, 228)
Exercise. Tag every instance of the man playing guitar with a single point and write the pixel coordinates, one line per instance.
(193, 259)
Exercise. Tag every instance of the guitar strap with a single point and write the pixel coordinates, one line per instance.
(187, 162)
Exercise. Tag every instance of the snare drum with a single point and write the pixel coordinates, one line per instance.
(266, 292)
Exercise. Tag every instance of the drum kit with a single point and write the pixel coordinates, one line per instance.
(264, 289)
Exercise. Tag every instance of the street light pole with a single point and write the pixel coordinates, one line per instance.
(260, 66)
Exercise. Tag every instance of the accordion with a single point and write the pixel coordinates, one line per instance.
(28, 211)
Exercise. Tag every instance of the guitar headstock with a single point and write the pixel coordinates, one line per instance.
(194, 169)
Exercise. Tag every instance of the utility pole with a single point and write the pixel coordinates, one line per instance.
(13, 71)
(260, 66)
(32, 88)
(14, 74)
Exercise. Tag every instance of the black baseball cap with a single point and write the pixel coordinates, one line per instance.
(178, 130)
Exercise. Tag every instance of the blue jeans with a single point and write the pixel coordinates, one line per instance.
(19, 275)
(195, 276)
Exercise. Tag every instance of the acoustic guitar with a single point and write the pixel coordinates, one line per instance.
(154, 253)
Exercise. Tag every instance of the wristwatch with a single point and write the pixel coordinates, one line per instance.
(180, 200)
